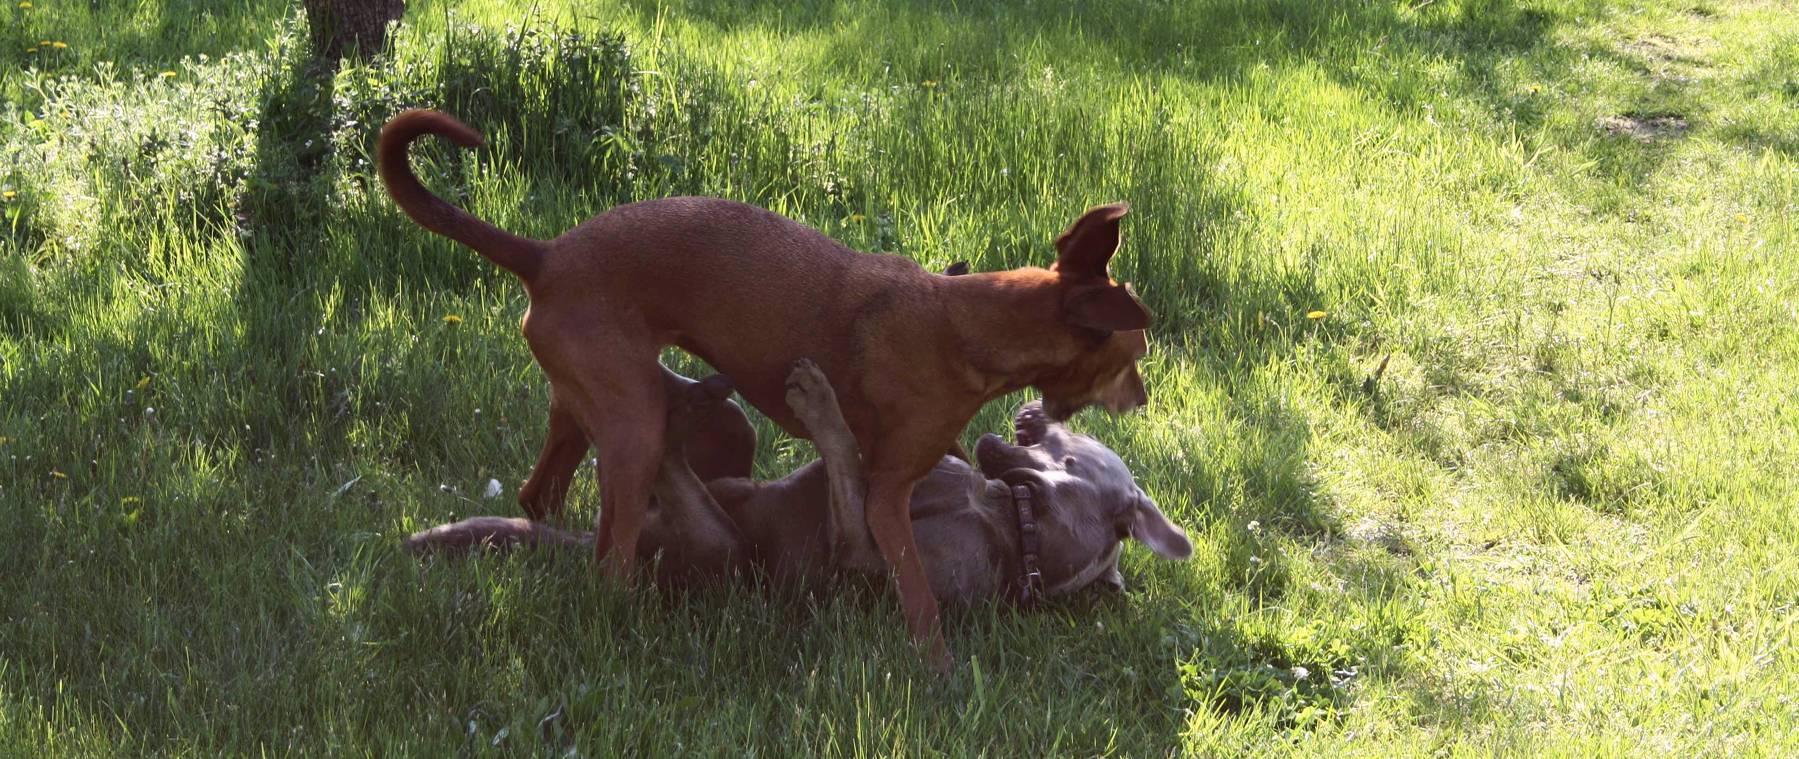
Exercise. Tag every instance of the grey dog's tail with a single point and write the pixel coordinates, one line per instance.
(492, 534)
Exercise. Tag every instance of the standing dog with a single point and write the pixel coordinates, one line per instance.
(913, 355)
(1080, 504)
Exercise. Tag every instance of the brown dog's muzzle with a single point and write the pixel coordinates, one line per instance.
(1122, 396)
(1128, 395)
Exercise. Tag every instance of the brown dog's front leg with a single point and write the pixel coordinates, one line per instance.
(890, 519)
(546, 489)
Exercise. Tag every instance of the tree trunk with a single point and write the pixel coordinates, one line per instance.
(350, 27)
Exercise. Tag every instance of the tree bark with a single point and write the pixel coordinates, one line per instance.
(350, 27)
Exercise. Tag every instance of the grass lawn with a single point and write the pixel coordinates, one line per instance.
(1562, 520)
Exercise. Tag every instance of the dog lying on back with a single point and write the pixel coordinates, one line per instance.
(1079, 504)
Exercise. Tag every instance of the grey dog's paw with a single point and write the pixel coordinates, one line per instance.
(808, 392)
(1028, 427)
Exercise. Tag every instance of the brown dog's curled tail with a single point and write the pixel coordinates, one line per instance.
(520, 255)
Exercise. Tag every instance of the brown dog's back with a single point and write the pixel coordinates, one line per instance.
(719, 265)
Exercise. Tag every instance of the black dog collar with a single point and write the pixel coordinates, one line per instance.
(1030, 581)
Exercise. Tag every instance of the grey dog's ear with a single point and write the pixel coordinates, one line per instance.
(712, 389)
(1151, 527)
(1112, 580)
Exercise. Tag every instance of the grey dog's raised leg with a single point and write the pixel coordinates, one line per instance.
(689, 529)
(688, 522)
(810, 396)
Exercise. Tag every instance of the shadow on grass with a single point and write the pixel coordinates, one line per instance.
(1390, 51)
(1784, 142)
(283, 217)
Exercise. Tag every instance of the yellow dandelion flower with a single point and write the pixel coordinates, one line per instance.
(57, 473)
(143, 383)
(1314, 315)
(452, 319)
(59, 44)
(168, 74)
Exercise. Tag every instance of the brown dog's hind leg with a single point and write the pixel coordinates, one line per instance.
(810, 396)
(624, 412)
(628, 467)
(546, 489)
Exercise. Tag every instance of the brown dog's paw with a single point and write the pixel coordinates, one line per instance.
(808, 392)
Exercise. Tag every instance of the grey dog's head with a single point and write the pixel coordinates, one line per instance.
(1089, 502)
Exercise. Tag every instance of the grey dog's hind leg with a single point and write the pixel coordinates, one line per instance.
(689, 529)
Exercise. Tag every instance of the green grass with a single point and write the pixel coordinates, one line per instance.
(1563, 521)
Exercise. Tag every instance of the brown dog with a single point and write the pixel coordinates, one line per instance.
(808, 527)
(913, 355)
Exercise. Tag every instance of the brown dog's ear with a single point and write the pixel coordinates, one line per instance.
(1111, 308)
(1151, 527)
(956, 269)
(1088, 245)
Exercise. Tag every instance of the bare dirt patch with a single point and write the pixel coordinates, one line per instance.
(1645, 128)
(1667, 59)
(1380, 534)
(1666, 49)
